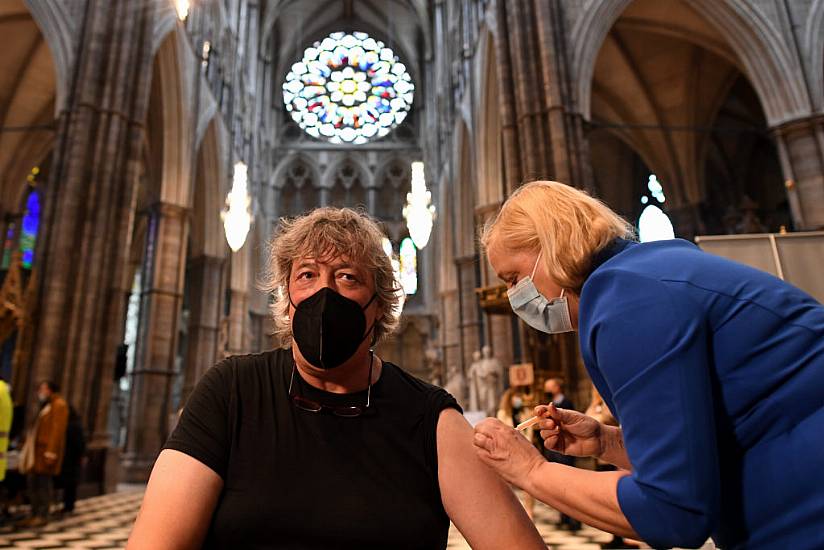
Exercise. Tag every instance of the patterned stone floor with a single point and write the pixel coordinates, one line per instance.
(99, 522)
(104, 523)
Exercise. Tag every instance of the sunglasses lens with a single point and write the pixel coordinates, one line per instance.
(306, 404)
(348, 412)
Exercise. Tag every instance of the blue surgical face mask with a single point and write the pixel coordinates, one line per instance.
(550, 316)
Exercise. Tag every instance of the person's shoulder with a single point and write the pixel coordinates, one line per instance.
(244, 370)
(239, 364)
(413, 382)
(419, 390)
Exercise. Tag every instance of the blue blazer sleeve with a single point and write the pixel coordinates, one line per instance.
(652, 346)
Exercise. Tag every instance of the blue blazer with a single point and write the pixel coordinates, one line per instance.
(715, 371)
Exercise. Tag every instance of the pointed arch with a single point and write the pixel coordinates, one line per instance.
(764, 56)
(173, 158)
(813, 42)
(490, 191)
(295, 186)
(465, 192)
(30, 79)
(206, 232)
(393, 182)
(59, 28)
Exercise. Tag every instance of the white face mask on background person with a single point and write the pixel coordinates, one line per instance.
(550, 316)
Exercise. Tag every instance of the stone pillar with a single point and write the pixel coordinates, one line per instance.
(512, 170)
(450, 332)
(89, 209)
(372, 200)
(469, 320)
(238, 339)
(526, 77)
(204, 280)
(150, 406)
(801, 151)
(238, 316)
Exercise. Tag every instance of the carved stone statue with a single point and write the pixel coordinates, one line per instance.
(484, 381)
(492, 380)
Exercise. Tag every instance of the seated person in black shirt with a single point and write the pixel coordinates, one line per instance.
(324, 445)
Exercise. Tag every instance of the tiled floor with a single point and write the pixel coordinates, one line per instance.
(104, 522)
(99, 522)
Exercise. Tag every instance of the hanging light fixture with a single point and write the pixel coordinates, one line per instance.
(418, 211)
(237, 217)
(182, 7)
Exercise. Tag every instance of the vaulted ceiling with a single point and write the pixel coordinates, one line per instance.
(27, 94)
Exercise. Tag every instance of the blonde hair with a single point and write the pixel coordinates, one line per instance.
(324, 234)
(566, 224)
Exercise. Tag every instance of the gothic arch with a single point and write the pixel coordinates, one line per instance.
(173, 158)
(348, 182)
(465, 195)
(392, 180)
(58, 28)
(295, 186)
(209, 191)
(30, 80)
(763, 55)
(325, 16)
(813, 43)
(489, 144)
(278, 176)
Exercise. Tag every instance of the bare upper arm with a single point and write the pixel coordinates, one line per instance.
(479, 503)
(178, 505)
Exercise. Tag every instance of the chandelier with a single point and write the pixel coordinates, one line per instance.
(419, 213)
(237, 218)
(182, 8)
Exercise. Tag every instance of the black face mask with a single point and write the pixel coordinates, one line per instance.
(328, 327)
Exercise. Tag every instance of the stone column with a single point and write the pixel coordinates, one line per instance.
(512, 169)
(469, 321)
(372, 200)
(450, 332)
(801, 151)
(150, 406)
(527, 77)
(89, 209)
(238, 339)
(204, 281)
(238, 316)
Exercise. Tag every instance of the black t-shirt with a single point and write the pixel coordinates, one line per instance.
(300, 480)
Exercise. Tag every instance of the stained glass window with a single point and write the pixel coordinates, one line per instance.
(31, 223)
(409, 266)
(654, 224)
(348, 88)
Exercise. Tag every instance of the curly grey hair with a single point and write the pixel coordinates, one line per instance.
(323, 234)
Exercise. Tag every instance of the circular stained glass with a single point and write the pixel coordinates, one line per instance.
(348, 88)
